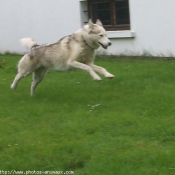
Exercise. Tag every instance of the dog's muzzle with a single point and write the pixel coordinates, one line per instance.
(109, 44)
(105, 46)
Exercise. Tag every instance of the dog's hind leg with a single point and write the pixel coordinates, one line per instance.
(18, 77)
(15, 82)
(24, 69)
(38, 76)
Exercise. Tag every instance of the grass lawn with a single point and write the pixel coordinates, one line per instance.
(124, 126)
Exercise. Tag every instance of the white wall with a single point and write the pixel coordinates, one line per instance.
(154, 26)
(44, 20)
(49, 20)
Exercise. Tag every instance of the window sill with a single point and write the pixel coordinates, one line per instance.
(121, 34)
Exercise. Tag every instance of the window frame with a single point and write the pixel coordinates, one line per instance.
(113, 26)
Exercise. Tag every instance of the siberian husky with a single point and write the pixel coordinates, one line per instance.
(73, 51)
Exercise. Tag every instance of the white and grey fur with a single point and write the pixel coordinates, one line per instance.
(74, 51)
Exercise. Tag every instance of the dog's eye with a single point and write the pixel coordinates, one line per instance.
(101, 35)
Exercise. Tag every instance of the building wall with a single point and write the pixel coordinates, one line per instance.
(49, 20)
(152, 22)
(44, 20)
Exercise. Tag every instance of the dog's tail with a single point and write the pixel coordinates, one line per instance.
(28, 42)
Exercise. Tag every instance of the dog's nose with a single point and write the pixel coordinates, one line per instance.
(109, 43)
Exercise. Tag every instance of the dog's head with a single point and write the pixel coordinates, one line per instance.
(97, 34)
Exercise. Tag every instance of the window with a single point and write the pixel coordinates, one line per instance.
(114, 14)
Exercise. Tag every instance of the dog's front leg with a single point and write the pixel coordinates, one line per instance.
(85, 67)
(101, 70)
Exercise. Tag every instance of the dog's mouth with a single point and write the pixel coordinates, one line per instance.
(105, 47)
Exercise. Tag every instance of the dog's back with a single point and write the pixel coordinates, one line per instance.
(51, 56)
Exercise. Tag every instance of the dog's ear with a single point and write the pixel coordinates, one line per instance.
(90, 24)
(98, 22)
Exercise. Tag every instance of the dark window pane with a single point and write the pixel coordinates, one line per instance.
(114, 14)
(122, 12)
(102, 11)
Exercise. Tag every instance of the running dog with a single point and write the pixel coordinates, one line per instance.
(73, 51)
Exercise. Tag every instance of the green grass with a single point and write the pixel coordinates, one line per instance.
(123, 126)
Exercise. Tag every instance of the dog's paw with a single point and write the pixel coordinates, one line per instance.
(110, 76)
(97, 79)
(12, 86)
